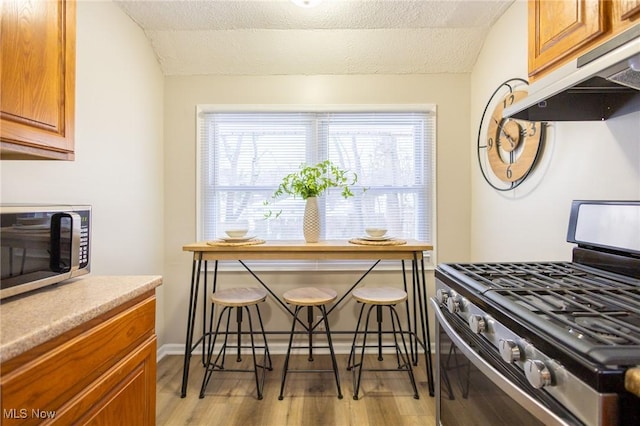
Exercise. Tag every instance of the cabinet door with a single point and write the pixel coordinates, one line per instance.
(624, 14)
(38, 79)
(559, 28)
(126, 394)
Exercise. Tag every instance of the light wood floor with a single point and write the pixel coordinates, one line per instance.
(386, 398)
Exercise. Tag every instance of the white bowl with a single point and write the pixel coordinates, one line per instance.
(236, 232)
(375, 232)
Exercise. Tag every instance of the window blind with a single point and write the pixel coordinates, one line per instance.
(244, 155)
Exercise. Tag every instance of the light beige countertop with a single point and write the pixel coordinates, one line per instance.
(34, 318)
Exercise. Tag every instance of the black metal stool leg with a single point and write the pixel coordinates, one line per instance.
(209, 367)
(357, 367)
(239, 332)
(268, 366)
(405, 356)
(379, 321)
(223, 351)
(333, 354)
(395, 339)
(351, 360)
(286, 358)
(253, 354)
(310, 331)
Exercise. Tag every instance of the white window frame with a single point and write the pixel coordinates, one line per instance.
(429, 257)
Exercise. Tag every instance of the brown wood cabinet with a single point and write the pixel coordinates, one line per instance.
(102, 372)
(37, 106)
(561, 30)
(624, 13)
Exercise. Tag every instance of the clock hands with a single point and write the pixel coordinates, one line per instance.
(512, 141)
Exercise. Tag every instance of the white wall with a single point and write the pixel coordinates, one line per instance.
(581, 160)
(119, 151)
(450, 92)
(143, 192)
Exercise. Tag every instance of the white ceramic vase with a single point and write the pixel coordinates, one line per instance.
(311, 221)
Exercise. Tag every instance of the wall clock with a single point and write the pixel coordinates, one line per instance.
(508, 148)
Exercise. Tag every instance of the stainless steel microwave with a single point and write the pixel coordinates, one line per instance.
(42, 245)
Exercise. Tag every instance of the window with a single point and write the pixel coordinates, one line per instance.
(244, 155)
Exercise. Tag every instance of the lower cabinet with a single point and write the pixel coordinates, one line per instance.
(100, 373)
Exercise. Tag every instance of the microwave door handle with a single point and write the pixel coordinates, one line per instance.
(56, 264)
(75, 241)
(541, 412)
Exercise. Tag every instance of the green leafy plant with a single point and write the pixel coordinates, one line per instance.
(313, 181)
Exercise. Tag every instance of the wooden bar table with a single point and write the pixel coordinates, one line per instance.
(406, 250)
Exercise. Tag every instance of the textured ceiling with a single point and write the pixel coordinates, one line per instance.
(263, 37)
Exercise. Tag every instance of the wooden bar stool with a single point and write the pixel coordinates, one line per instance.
(379, 298)
(310, 297)
(240, 299)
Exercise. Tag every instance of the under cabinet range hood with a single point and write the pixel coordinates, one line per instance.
(602, 83)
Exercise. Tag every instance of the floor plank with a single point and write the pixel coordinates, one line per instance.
(386, 398)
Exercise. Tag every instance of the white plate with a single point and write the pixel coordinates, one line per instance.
(236, 239)
(383, 238)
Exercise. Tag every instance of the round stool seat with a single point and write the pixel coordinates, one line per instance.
(309, 296)
(379, 295)
(379, 299)
(239, 296)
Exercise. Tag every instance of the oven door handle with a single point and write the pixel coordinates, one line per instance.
(538, 410)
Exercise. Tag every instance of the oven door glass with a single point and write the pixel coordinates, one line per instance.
(467, 393)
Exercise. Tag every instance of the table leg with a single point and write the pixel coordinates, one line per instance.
(204, 313)
(206, 332)
(193, 300)
(424, 318)
(413, 340)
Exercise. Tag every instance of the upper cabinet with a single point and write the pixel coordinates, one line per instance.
(624, 13)
(561, 30)
(37, 106)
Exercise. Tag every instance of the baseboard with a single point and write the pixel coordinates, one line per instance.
(279, 348)
(275, 349)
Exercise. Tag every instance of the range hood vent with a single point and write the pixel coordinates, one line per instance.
(600, 84)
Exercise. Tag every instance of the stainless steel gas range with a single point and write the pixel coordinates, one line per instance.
(545, 342)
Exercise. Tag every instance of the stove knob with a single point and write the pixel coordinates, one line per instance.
(537, 373)
(442, 296)
(477, 324)
(453, 304)
(509, 351)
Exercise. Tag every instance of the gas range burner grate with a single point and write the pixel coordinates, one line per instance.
(599, 318)
(590, 305)
(603, 329)
(542, 276)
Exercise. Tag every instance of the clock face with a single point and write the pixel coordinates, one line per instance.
(507, 148)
